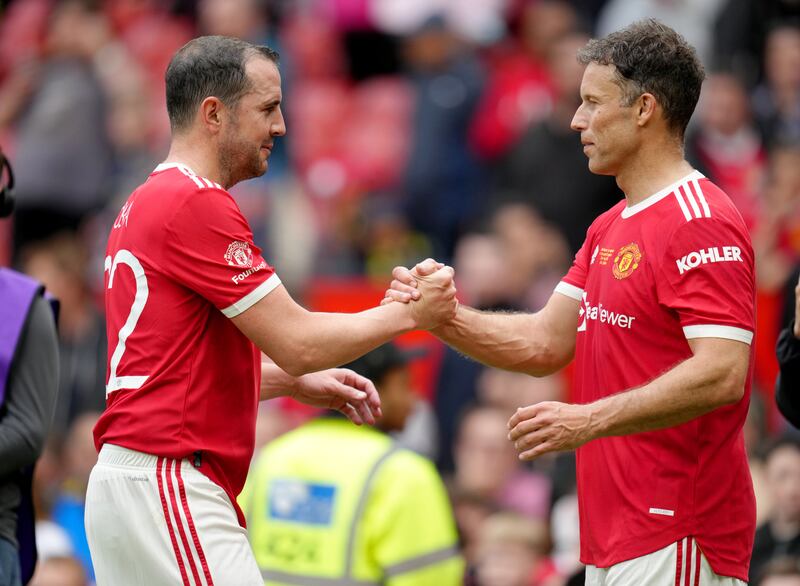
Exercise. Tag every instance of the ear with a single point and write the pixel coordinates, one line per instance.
(647, 106)
(211, 113)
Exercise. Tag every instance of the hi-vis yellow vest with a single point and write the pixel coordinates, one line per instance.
(333, 504)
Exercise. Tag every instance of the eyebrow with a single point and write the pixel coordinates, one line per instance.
(270, 103)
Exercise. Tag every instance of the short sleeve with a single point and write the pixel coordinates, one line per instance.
(574, 281)
(707, 277)
(210, 250)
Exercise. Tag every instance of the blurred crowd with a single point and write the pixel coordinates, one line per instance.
(415, 128)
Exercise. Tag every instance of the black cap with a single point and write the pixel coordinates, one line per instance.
(375, 364)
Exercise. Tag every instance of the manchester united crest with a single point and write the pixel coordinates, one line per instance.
(626, 261)
(239, 253)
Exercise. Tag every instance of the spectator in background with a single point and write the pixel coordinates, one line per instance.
(776, 235)
(780, 535)
(787, 387)
(28, 386)
(693, 18)
(486, 465)
(520, 89)
(443, 182)
(70, 503)
(782, 571)
(63, 155)
(776, 101)
(740, 33)
(726, 146)
(60, 263)
(333, 501)
(513, 551)
(546, 168)
(59, 571)
(485, 282)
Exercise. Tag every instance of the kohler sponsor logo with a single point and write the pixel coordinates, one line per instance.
(708, 255)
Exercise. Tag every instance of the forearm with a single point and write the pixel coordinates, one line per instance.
(511, 341)
(275, 382)
(690, 389)
(316, 341)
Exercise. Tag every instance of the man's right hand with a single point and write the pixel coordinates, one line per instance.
(403, 287)
(431, 288)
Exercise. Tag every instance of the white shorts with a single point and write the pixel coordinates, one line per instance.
(153, 521)
(679, 563)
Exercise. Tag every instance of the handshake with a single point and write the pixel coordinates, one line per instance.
(429, 289)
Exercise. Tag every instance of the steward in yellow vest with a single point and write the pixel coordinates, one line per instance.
(334, 504)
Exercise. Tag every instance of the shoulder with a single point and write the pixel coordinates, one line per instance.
(404, 469)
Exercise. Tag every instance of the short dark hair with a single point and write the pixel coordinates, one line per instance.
(650, 57)
(208, 66)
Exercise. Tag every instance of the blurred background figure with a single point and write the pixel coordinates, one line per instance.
(70, 501)
(781, 571)
(780, 534)
(57, 106)
(776, 101)
(443, 183)
(726, 146)
(61, 263)
(513, 552)
(59, 571)
(333, 501)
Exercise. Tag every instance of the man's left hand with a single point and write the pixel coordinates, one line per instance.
(548, 426)
(342, 390)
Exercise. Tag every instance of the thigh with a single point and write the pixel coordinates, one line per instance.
(170, 525)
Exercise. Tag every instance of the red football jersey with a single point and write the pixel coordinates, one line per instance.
(183, 381)
(676, 266)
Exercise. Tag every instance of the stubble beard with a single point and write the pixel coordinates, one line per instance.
(240, 160)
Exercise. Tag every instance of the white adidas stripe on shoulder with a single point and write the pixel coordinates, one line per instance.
(690, 192)
(201, 182)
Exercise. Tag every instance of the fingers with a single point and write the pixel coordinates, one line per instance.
(404, 276)
(370, 406)
(349, 411)
(522, 414)
(427, 267)
(360, 393)
(399, 291)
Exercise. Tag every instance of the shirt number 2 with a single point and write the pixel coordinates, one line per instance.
(125, 257)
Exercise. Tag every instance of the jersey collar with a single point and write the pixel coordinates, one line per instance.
(627, 212)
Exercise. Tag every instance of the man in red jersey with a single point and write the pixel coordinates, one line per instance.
(191, 304)
(658, 311)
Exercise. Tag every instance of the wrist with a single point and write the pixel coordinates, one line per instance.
(402, 315)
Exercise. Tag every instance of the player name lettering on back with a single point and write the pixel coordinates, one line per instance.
(707, 255)
(243, 275)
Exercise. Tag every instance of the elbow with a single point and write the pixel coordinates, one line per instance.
(549, 358)
(293, 365)
(731, 385)
(296, 359)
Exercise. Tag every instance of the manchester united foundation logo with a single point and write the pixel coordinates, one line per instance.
(626, 261)
(239, 254)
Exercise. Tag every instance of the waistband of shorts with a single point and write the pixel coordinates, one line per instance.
(114, 455)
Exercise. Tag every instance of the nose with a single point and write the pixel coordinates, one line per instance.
(278, 127)
(579, 121)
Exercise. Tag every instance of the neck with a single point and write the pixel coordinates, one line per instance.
(195, 153)
(654, 167)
